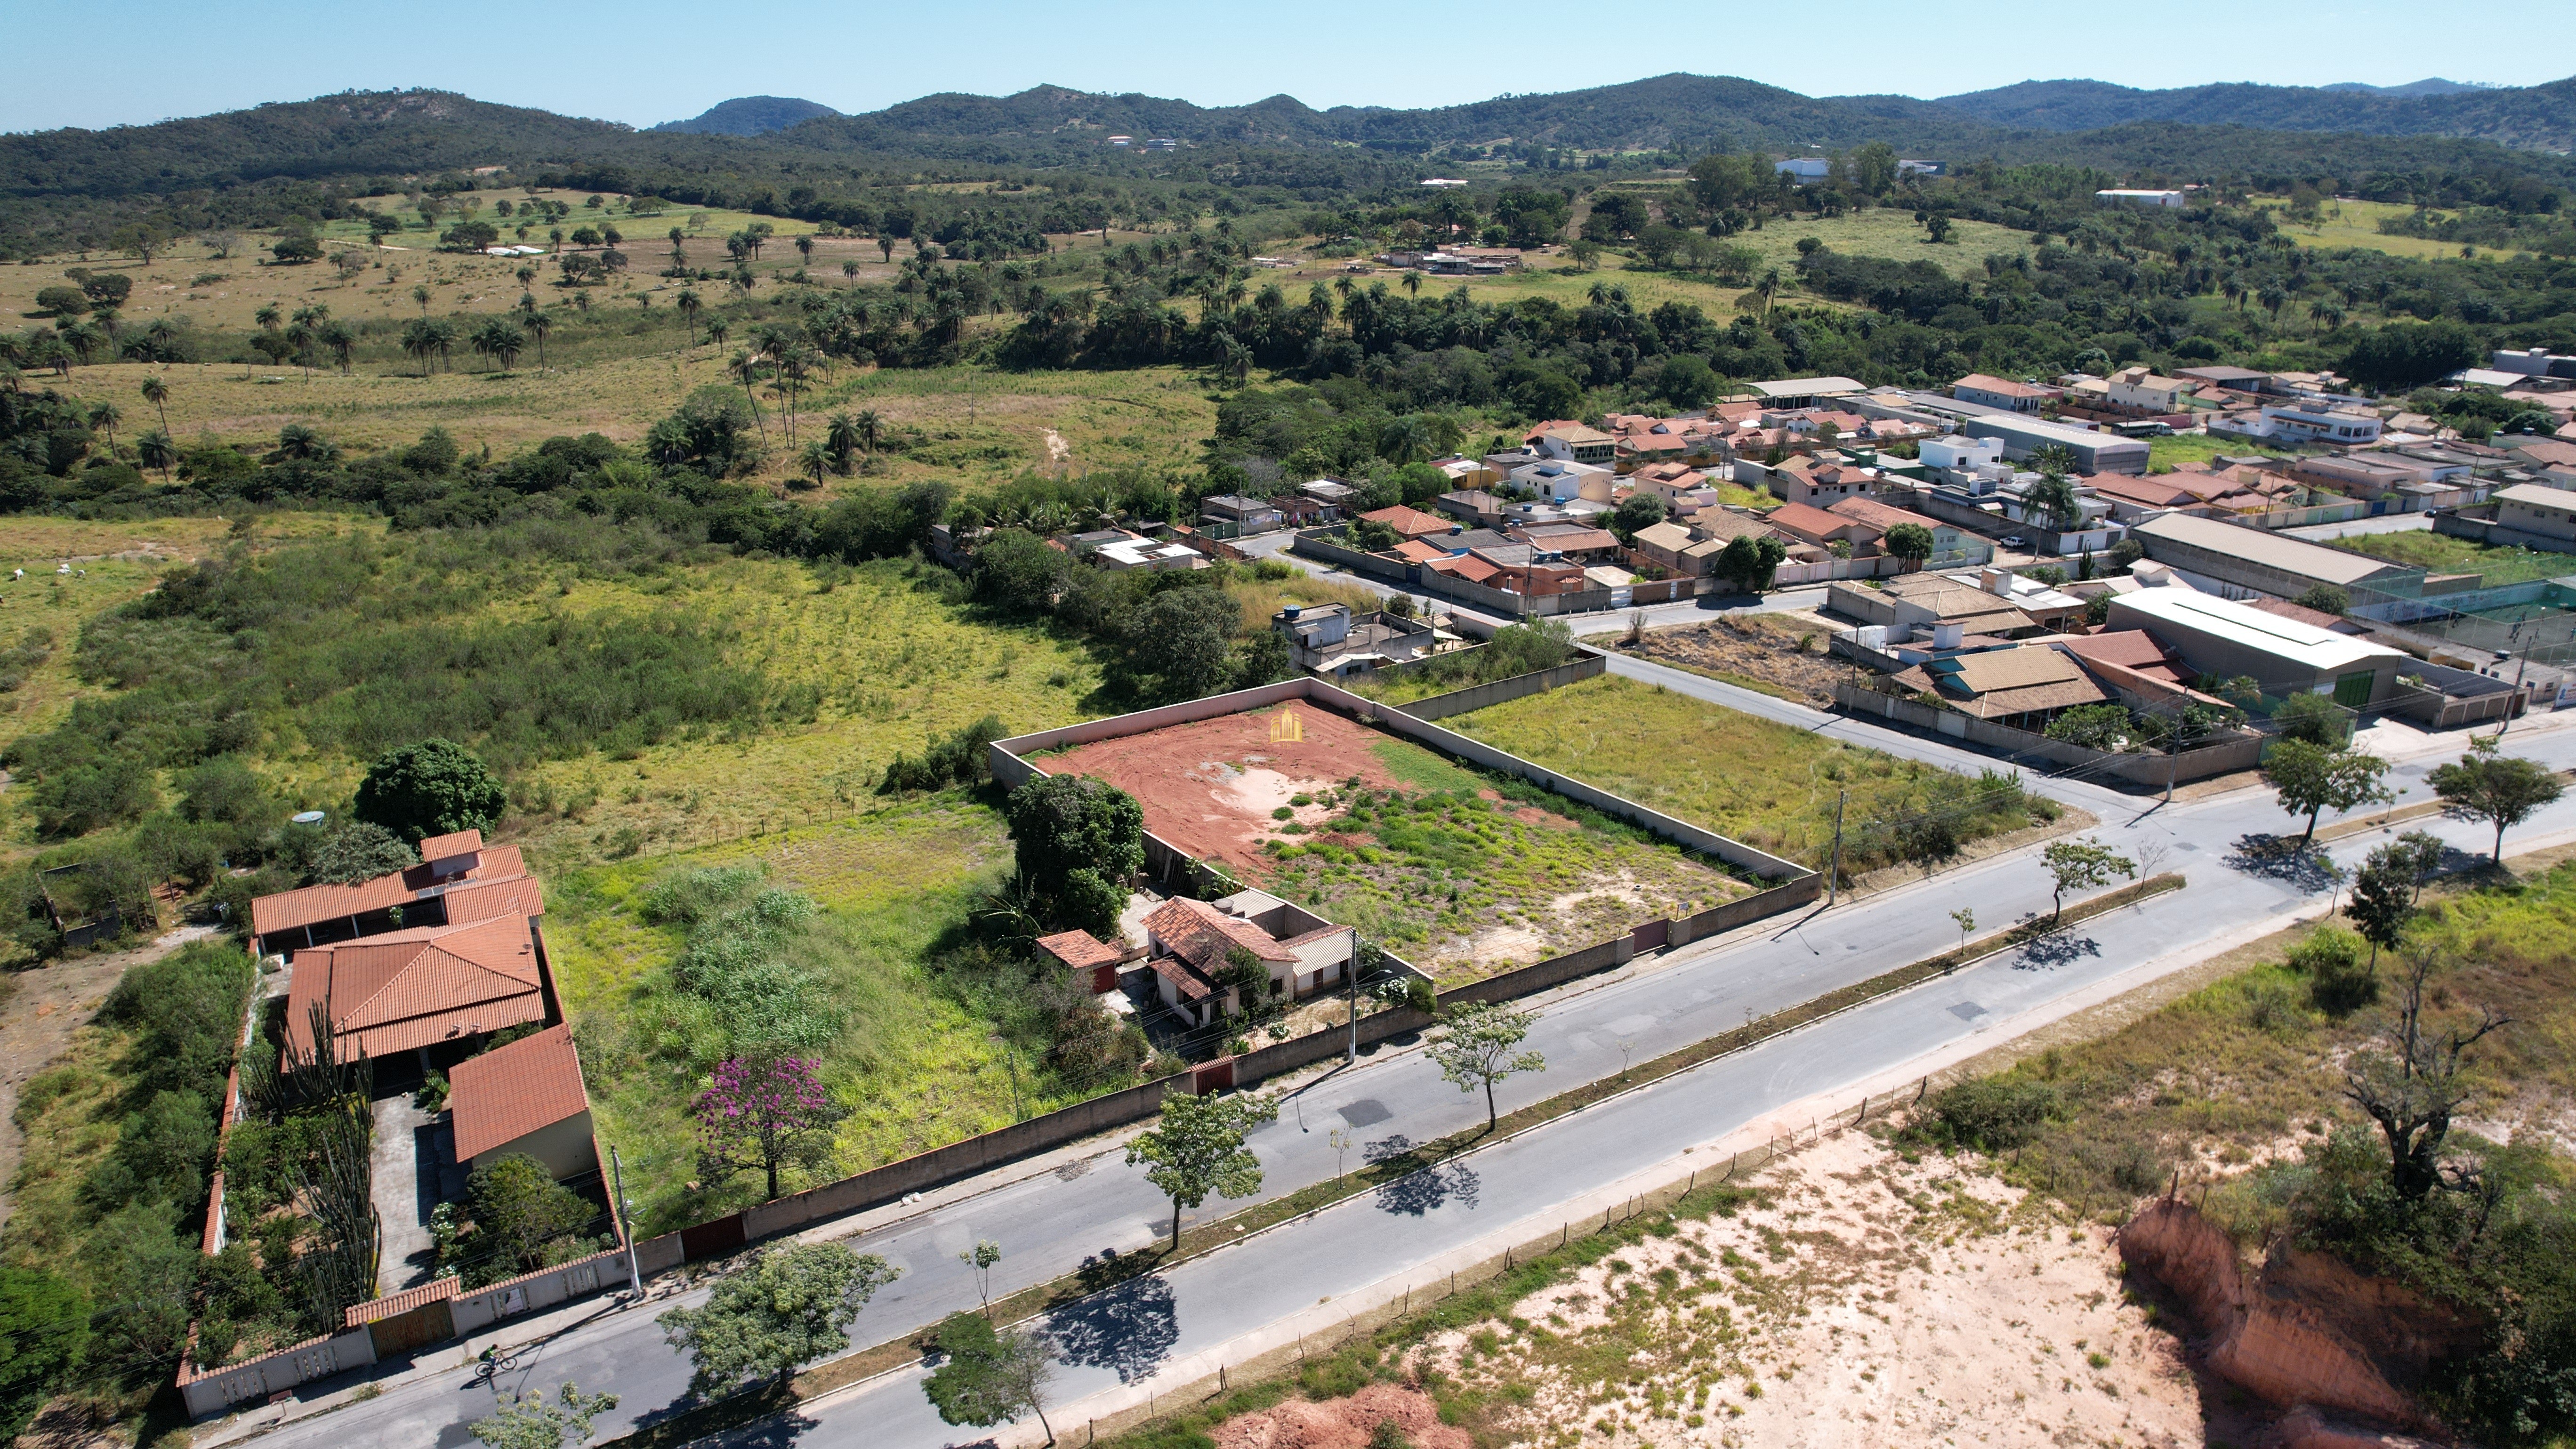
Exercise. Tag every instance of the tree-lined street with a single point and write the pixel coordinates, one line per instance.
(1051, 1224)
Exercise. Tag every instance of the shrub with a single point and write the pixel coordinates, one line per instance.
(2337, 965)
(436, 787)
(1993, 1114)
(84, 798)
(961, 759)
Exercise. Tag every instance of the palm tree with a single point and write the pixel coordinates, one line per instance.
(885, 244)
(267, 317)
(805, 246)
(718, 329)
(443, 334)
(745, 369)
(420, 294)
(689, 302)
(871, 431)
(342, 341)
(1767, 288)
(538, 324)
(527, 275)
(842, 437)
(299, 335)
(500, 340)
(850, 270)
(103, 417)
(1412, 283)
(157, 393)
(815, 461)
(155, 450)
(419, 340)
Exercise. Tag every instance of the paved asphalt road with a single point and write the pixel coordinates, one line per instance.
(1048, 1225)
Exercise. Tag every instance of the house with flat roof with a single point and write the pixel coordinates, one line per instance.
(525, 1097)
(2320, 420)
(2125, 196)
(1252, 515)
(2221, 639)
(2093, 452)
(2545, 513)
(2254, 560)
(1331, 639)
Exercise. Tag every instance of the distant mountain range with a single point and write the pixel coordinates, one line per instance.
(2270, 130)
(2539, 117)
(751, 116)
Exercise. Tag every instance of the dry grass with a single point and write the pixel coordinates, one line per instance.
(1769, 785)
(958, 423)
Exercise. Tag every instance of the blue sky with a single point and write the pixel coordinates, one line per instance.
(652, 60)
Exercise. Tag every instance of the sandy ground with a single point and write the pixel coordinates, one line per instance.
(1208, 787)
(44, 1007)
(1866, 1301)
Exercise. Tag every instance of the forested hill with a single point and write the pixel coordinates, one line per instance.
(2539, 117)
(355, 133)
(749, 116)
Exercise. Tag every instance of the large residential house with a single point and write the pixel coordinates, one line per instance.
(2024, 687)
(1411, 522)
(1818, 479)
(2140, 389)
(1558, 481)
(1188, 943)
(1947, 540)
(1330, 639)
(1574, 443)
(1252, 515)
(435, 991)
(1821, 528)
(459, 878)
(2319, 420)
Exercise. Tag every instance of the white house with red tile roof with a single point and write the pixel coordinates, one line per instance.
(1187, 943)
(526, 1097)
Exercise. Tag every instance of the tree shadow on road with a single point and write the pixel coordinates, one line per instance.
(2302, 867)
(1416, 1189)
(1129, 1329)
(2055, 949)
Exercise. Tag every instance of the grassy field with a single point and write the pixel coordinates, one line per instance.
(913, 1067)
(1769, 785)
(893, 664)
(2356, 224)
(2196, 449)
(1465, 879)
(2440, 553)
(962, 424)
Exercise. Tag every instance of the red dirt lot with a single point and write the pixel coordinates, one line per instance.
(1209, 787)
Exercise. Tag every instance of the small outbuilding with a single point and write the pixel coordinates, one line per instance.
(525, 1097)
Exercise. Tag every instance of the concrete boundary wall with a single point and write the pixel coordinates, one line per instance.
(214, 1391)
(2151, 771)
(1519, 686)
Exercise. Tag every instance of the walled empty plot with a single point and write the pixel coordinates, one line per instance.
(1461, 874)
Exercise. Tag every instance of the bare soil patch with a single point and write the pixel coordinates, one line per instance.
(1209, 786)
(1863, 1300)
(1761, 651)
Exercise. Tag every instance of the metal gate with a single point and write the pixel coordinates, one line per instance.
(711, 1239)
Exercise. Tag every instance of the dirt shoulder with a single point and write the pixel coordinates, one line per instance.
(44, 1007)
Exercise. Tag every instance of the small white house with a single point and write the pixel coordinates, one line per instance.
(2125, 197)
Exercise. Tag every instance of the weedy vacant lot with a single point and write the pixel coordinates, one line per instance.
(1769, 785)
(913, 1064)
(1461, 874)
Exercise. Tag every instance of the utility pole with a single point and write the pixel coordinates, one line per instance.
(1834, 876)
(625, 1228)
(1351, 1055)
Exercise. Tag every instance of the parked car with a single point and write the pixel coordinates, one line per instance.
(2014, 540)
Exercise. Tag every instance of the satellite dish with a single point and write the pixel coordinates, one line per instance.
(308, 817)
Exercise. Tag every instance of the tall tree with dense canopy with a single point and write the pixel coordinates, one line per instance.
(763, 1115)
(436, 787)
(2311, 779)
(1197, 1148)
(785, 1308)
(1077, 840)
(992, 1375)
(2497, 788)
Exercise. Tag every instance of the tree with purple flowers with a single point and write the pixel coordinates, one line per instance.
(763, 1114)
